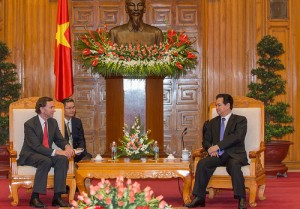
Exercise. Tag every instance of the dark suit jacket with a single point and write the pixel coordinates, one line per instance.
(234, 137)
(78, 137)
(33, 138)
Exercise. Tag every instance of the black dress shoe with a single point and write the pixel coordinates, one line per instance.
(36, 203)
(242, 203)
(196, 202)
(59, 202)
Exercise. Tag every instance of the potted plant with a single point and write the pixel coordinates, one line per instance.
(9, 92)
(268, 86)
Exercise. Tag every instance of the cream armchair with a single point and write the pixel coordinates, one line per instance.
(254, 173)
(23, 176)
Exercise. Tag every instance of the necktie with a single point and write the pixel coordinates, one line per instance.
(222, 129)
(69, 134)
(45, 136)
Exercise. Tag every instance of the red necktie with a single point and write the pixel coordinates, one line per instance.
(45, 137)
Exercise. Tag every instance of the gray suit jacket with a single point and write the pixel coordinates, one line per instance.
(33, 139)
(234, 137)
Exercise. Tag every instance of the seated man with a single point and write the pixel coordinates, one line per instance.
(41, 132)
(224, 140)
(74, 132)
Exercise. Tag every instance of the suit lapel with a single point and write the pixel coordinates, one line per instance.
(229, 123)
(38, 128)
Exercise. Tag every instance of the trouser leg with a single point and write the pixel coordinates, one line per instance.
(234, 168)
(204, 171)
(61, 165)
(43, 165)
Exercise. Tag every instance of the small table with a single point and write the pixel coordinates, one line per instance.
(135, 169)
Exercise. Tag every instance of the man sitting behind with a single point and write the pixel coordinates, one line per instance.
(74, 132)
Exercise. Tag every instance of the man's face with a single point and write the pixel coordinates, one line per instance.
(221, 108)
(69, 110)
(135, 9)
(48, 110)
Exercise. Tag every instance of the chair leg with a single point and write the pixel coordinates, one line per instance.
(261, 192)
(252, 196)
(72, 185)
(14, 194)
(211, 193)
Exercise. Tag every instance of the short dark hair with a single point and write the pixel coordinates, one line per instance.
(42, 102)
(66, 100)
(227, 98)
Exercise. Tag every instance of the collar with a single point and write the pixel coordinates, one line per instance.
(66, 121)
(227, 117)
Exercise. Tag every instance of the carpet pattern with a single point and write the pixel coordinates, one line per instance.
(281, 193)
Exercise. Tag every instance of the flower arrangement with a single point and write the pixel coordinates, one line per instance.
(174, 57)
(129, 196)
(134, 144)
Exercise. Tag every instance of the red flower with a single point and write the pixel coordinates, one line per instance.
(94, 62)
(179, 65)
(183, 38)
(191, 55)
(86, 51)
(171, 35)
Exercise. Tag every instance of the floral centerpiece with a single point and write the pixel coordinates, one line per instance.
(134, 144)
(130, 196)
(174, 57)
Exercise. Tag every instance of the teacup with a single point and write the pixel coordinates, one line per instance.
(185, 154)
(98, 157)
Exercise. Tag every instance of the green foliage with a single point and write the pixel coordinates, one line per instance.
(9, 91)
(270, 85)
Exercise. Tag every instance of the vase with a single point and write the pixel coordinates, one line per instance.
(136, 157)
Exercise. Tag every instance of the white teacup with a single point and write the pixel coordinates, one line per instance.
(185, 154)
(98, 157)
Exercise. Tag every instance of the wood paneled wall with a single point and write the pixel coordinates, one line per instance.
(228, 33)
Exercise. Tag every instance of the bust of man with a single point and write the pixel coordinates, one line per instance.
(136, 31)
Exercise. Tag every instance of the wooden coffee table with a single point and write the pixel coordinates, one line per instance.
(135, 169)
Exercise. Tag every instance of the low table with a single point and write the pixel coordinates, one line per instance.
(135, 169)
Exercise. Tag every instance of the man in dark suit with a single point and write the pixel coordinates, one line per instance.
(41, 132)
(74, 130)
(224, 141)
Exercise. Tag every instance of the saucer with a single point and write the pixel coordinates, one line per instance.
(78, 151)
(170, 159)
(97, 160)
(185, 159)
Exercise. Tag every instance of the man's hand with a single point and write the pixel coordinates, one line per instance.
(68, 152)
(213, 150)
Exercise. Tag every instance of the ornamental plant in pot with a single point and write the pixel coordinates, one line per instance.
(268, 86)
(9, 92)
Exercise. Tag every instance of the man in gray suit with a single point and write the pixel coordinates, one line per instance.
(224, 140)
(40, 133)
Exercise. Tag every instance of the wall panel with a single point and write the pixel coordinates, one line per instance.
(226, 32)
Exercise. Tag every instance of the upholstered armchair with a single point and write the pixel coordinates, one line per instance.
(23, 176)
(254, 173)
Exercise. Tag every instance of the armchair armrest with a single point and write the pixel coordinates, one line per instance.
(199, 153)
(256, 164)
